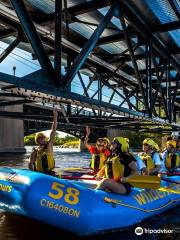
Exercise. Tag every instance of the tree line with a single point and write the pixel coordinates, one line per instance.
(30, 140)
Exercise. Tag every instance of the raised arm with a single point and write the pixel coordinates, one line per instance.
(53, 128)
(87, 138)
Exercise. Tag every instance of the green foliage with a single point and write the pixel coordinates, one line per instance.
(29, 140)
(136, 138)
(61, 141)
(71, 144)
(161, 111)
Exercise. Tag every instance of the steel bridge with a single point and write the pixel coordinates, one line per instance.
(106, 64)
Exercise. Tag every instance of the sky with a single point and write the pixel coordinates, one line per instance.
(19, 58)
(25, 65)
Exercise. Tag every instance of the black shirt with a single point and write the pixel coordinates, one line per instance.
(126, 159)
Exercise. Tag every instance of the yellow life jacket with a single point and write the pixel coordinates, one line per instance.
(97, 161)
(114, 169)
(172, 161)
(44, 160)
(148, 161)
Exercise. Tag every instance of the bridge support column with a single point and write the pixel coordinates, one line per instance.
(111, 133)
(12, 132)
(82, 146)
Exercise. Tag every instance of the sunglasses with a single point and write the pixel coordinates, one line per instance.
(100, 140)
(99, 145)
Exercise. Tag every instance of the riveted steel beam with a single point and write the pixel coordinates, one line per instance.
(140, 25)
(57, 39)
(47, 91)
(175, 6)
(158, 28)
(10, 17)
(34, 40)
(9, 49)
(6, 33)
(129, 44)
(87, 7)
(82, 56)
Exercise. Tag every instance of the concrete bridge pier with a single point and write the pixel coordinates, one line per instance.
(82, 147)
(12, 132)
(115, 132)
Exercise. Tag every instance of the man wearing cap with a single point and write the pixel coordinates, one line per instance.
(41, 159)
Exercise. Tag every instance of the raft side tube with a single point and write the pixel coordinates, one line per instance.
(60, 203)
(71, 206)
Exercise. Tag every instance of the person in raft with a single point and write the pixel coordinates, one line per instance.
(178, 151)
(141, 167)
(151, 157)
(41, 159)
(99, 153)
(170, 156)
(118, 168)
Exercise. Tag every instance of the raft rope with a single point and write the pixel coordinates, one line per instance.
(118, 202)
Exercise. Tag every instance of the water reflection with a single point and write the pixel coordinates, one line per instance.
(13, 227)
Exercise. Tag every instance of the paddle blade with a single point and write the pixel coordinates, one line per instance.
(166, 189)
(72, 169)
(152, 182)
(79, 170)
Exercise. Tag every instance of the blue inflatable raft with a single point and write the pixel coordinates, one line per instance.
(73, 206)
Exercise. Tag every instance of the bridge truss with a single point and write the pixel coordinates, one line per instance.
(128, 50)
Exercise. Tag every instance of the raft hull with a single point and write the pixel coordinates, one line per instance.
(71, 206)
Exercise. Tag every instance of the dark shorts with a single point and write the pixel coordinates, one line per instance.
(128, 187)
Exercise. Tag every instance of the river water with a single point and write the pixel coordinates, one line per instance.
(14, 227)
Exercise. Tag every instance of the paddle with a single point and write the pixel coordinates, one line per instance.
(77, 168)
(77, 178)
(170, 174)
(151, 182)
(166, 189)
(169, 180)
(77, 172)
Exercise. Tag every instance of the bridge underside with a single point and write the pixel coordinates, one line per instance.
(116, 64)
